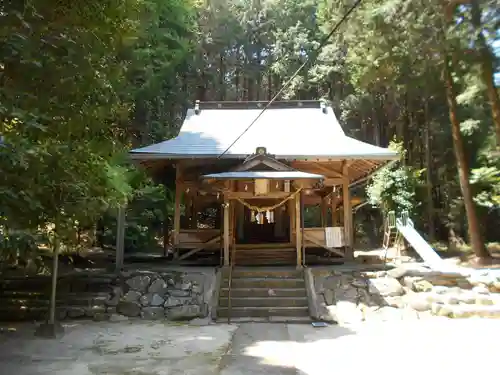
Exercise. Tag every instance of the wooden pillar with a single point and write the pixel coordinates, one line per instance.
(324, 210)
(165, 222)
(120, 237)
(240, 221)
(179, 187)
(346, 198)
(298, 233)
(188, 210)
(291, 211)
(334, 208)
(226, 230)
(195, 209)
(278, 221)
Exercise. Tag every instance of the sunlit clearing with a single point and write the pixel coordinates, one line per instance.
(276, 353)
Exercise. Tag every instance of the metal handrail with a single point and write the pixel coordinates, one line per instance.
(230, 282)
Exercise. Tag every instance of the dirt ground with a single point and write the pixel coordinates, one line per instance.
(436, 345)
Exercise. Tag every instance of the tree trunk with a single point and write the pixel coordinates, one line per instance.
(428, 170)
(487, 68)
(475, 238)
(222, 83)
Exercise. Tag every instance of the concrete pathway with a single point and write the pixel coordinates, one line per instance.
(433, 346)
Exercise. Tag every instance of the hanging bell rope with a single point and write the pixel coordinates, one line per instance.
(269, 208)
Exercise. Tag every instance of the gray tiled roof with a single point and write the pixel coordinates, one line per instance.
(288, 130)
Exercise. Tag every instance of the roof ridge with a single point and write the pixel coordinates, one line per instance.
(258, 104)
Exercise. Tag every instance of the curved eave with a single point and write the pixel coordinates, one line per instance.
(162, 156)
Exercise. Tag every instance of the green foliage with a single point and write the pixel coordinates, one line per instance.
(487, 180)
(20, 245)
(393, 188)
(82, 82)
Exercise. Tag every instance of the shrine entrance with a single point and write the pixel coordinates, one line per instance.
(269, 227)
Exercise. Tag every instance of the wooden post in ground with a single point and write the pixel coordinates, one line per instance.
(120, 238)
(298, 233)
(226, 230)
(348, 225)
(177, 210)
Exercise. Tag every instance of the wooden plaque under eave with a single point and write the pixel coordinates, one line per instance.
(261, 187)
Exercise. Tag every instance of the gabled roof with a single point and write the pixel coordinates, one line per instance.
(288, 130)
(272, 175)
(257, 161)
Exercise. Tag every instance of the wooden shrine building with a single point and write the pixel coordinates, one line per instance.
(241, 193)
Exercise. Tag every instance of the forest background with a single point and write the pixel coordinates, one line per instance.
(81, 83)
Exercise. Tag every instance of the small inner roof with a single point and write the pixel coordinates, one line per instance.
(288, 130)
(272, 175)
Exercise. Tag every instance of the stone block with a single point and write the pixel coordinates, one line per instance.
(93, 310)
(484, 300)
(159, 286)
(139, 283)
(75, 312)
(114, 296)
(422, 286)
(329, 296)
(152, 300)
(111, 309)
(359, 283)
(185, 312)
(331, 282)
(127, 308)
(396, 301)
(132, 296)
(117, 318)
(153, 313)
(178, 301)
(440, 309)
(101, 316)
(385, 287)
(178, 293)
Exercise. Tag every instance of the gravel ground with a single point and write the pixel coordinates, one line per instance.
(434, 345)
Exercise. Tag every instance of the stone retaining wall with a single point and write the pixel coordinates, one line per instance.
(164, 294)
(353, 296)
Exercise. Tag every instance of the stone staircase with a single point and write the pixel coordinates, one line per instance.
(264, 294)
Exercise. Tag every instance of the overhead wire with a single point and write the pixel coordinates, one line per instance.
(308, 60)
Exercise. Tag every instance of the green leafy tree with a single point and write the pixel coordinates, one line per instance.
(394, 187)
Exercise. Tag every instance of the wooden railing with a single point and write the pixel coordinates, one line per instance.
(229, 283)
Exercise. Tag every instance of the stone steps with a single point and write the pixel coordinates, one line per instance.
(264, 312)
(270, 319)
(42, 300)
(275, 273)
(261, 282)
(262, 257)
(265, 302)
(262, 292)
(266, 294)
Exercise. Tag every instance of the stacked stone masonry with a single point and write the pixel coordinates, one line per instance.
(404, 293)
(166, 295)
